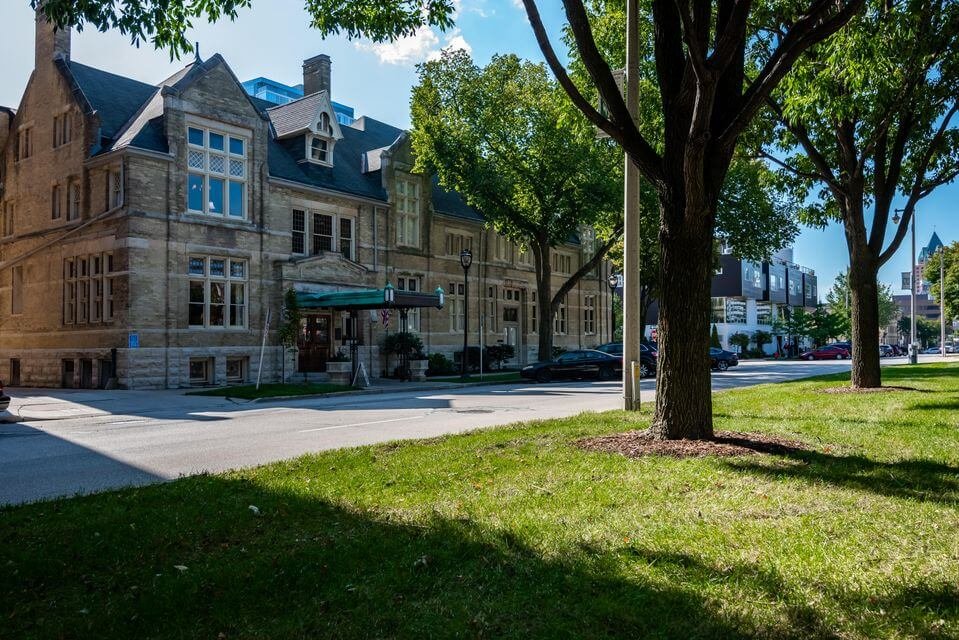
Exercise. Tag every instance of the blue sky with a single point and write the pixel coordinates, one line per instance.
(273, 39)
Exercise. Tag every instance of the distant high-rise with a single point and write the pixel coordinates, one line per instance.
(279, 93)
(925, 254)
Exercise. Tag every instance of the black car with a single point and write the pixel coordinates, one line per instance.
(587, 363)
(4, 399)
(647, 356)
(720, 359)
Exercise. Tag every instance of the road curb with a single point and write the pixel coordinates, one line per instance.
(373, 392)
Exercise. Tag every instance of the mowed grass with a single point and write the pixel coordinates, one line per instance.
(273, 390)
(514, 532)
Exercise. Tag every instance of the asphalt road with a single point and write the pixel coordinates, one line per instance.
(91, 441)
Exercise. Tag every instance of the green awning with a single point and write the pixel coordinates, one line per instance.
(359, 299)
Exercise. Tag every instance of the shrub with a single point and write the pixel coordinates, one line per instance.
(403, 344)
(741, 340)
(440, 365)
(714, 339)
(496, 355)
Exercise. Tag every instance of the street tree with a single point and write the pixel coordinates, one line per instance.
(506, 138)
(950, 257)
(926, 330)
(710, 74)
(826, 325)
(866, 120)
(839, 300)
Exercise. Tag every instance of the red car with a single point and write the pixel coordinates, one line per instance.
(828, 352)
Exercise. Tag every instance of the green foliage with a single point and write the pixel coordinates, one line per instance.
(166, 22)
(950, 255)
(826, 325)
(290, 323)
(497, 354)
(740, 340)
(927, 331)
(839, 301)
(714, 339)
(797, 323)
(762, 338)
(440, 365)
(482, 534)
(506, 138)
(403, 344)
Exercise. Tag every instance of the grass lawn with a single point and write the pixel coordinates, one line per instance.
(250, 392)
(505, 376)
(513, 532)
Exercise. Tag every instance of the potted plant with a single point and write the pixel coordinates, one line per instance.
(340, 368)
(408, 348)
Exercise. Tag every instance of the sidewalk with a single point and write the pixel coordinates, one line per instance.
(37, 405)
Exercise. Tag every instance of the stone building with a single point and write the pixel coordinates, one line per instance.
(149, 232)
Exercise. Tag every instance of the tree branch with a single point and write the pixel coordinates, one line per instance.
(588, 266)
(809, 29)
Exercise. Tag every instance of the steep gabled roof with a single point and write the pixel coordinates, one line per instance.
(114, 98)
(299, 115)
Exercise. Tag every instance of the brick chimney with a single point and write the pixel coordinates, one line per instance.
(316, 74)
(50, 41)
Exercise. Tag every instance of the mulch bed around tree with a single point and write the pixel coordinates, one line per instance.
(885, 389)
(637, 444)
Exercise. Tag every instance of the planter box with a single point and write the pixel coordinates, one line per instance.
(340, 372)
(418, 369)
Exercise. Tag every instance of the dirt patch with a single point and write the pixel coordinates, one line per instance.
(884, 389)
(636, 444)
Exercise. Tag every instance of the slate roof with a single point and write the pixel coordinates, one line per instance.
(131, 115)
(115, 98)
(296, 115)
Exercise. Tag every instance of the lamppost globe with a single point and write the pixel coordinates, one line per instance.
(466, 258)
(613, 280)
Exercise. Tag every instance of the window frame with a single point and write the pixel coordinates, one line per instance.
(228, 281)
(307, 236)
(226, 177)
(408, 206)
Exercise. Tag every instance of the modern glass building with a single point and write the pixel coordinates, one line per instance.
(279, 93)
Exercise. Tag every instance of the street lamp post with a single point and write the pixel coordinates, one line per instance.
(612, 281)
(913, 345)
(466, 259)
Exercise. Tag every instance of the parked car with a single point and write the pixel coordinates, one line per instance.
(931, 351)
(587, 363)
(829, 352)
(647, 356)
(720, 359)
(950, 349)
(885, 351)
(4, 399)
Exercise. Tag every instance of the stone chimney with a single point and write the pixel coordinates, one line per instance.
(50, 41)
(316, 74)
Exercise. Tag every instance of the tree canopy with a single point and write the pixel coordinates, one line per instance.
(866, 120)
(839, 300)
(950, 255)
(506, 138)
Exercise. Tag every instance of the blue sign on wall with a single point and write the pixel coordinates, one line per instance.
(133, 341)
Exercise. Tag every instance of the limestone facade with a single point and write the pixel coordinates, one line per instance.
(148, 234)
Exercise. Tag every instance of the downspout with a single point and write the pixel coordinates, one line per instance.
(166, 282)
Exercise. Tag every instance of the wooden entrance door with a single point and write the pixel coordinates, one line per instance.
(315, 342)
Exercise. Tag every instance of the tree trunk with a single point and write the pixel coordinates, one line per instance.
(544, 298)
(864, 294)
(683, 381)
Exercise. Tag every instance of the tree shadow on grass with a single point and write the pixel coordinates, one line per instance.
(946, 404)
(192, 560)
(915, 479)
(912, 610)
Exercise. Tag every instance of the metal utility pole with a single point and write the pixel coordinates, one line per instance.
(914, 344)
(942, 302)
(632, 332)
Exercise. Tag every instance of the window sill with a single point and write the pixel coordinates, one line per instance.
(216, 219)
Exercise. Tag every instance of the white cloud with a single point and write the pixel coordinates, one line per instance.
(422, 45)
(454, 41)
(519, 5)
(403, 51)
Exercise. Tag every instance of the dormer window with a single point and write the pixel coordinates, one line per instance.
(324, 124)
(320, 149)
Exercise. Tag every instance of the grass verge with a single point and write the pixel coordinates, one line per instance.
(273, 390)
(514, 532)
